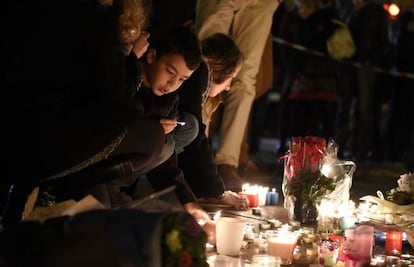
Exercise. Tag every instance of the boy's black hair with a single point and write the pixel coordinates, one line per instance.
(180, 40)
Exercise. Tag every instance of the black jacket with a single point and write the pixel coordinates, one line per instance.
(197, 161)
(69, 86)
(168, 173)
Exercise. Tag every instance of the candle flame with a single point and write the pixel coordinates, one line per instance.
(217, 215)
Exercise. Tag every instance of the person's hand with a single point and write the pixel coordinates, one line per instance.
(168, 125)
(140, 45)
(232, 198)
(210, 229)
(203, 219)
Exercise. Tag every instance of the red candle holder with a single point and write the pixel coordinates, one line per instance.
(252, 197)
(393, 243)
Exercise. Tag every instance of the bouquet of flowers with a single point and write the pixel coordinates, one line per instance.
(396, 206)
(404, 193)
(184, 242)
(312, 172)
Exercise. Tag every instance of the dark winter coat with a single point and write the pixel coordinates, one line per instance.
(69, 87)
(197, 161)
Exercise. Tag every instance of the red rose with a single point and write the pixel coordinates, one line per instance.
(185, 259)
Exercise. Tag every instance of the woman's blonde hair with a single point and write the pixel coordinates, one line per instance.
(133, 17)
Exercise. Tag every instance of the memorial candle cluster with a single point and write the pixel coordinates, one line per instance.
(259, 195)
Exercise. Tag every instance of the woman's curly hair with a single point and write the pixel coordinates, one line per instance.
(133, 17)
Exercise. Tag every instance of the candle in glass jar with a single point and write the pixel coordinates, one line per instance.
(272, 197)
(282, 244)
(262, 195)
(252, 197)
(378, 260)
(393, 243)
(341, 240)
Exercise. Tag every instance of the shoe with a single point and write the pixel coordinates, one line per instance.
(251, 171)
(117, 197)
(231, 177)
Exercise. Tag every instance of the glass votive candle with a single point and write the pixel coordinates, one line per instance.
(392, 261)
(404, 263)
(311, 255)
(275, 223)
(281, 244)
(264, 260)
(328, 250)
(325, 224)
(393, 243)
(252, 197)
(378, 260)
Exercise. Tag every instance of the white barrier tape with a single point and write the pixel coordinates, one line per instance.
(355, 64)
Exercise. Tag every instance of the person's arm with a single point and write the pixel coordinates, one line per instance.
(214, 16)
(197, 161)
(167, 174)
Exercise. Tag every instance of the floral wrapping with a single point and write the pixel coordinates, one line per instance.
(312, 172)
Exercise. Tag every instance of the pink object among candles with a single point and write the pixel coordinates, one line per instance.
(358, 246)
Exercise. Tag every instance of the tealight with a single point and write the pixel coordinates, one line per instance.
(276, 223)
(265, 226)
(265, 260)
(209, 247)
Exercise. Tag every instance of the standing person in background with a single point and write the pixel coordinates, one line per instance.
(401, 128)
(248, 23)
(369, 28)
(310, 83)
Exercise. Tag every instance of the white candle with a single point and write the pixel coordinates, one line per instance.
(282, 245)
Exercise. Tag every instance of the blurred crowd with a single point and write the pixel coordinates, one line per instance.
(361, 101)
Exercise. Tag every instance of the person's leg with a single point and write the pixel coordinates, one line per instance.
(366, 113)
(113, 189)
(185, 134)
(264, 80)
(250, 30)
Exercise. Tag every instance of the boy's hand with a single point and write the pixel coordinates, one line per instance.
(168, 125)
(141, 44)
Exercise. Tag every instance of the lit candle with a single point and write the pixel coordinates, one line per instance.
(262, 192)
(282, 245)
(393, 243)
(272, 197)
(341, 240)
(378, 260)
(265, 260)
(253, 198)
(217, 215)
(251, 193)
(328, 251)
